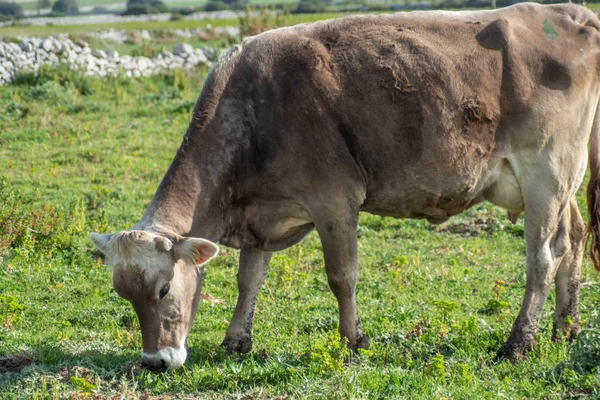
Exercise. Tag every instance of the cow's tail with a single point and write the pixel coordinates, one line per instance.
(593, 194)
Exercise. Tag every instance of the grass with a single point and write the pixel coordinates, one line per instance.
(79, 154)
(32, 5)
(43, 31)
(150, 49)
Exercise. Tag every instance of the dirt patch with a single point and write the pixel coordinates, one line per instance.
(14, 362)
(474, 227)
(65, 374)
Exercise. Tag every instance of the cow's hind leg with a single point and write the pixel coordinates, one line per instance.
(547, 226)
(252, 272)
(566, 315)
(337, 230)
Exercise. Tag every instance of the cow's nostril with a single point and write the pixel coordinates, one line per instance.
(154, 365)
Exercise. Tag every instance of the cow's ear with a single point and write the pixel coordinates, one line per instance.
(101, 241)
(195, 251)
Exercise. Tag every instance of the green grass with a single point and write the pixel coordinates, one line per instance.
(288, 3)
(43, 31)
(80, 154)
(32, 5)
(27, 6)
(150, 49)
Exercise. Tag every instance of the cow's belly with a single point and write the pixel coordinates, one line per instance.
(441, 196)
(436, 207)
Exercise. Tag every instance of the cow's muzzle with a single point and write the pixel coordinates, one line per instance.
(167, 358)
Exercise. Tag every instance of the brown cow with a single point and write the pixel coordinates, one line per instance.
(410, 115)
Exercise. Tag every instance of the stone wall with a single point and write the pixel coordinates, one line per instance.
(28, 54)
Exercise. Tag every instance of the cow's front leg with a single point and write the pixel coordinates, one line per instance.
(252, 272)
(338, 237)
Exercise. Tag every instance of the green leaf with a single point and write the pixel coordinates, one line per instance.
(81, 385)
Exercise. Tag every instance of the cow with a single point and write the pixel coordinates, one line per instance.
(408, 115)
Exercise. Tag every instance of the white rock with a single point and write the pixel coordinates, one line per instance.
(112, 54)
(182, 49)
(201, 59)
(99, 54)
(26, 46)
(70, 55)
(40, 54)
(48, 45)
(145, 35)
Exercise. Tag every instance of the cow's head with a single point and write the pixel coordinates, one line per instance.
(162, 279)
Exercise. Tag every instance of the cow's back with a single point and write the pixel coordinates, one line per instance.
(419, 107)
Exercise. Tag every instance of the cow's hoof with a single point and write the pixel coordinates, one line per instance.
(570, 333)
(509, 354)
(241, 343)
(363, 342)
(514, 352)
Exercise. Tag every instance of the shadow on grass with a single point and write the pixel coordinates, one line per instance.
(58, 362)
(54, 359)
(206, 352)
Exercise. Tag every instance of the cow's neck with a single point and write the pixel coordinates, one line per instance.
(181, 202)
(194, 195)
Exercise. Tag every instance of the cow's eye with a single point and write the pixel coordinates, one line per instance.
(164, 290)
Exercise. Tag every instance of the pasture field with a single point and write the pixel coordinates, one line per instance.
(119, 5)
(79, 154)
(44, 31)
